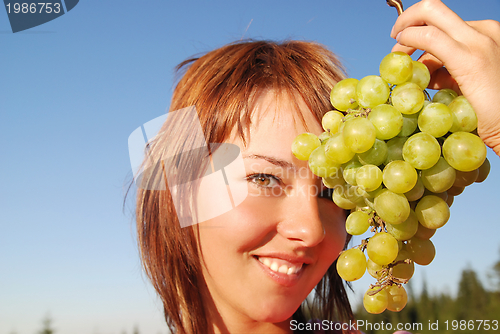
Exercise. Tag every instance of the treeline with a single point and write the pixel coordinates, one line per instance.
(475, 309)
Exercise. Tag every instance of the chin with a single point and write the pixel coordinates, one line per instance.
(276, 313)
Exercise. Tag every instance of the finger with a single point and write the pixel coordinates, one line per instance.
(432, 13)
(441, 78)
(430, 61)
(402, 48)
(431, 40)
(490, 28)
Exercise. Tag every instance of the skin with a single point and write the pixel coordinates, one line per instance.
(464, 56)
(279, 215)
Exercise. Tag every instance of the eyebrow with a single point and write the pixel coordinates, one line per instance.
(272, 160)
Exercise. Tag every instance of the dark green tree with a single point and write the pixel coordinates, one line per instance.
(47, 326)
(494, 275)
(472, 299)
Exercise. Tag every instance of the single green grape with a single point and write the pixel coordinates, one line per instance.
(396, 67)
(408, 98)
(357, 223)
(396, 298)
(354, 194)
(335, 180)
(432, 211)
(369, 177)
(399, 176)
(324, 136)
(424, 232)
(371, 91)
(349, 171)
(331, 121)
(340, 199)
(343, 94)
(436, 119)
(347, 119)
(484, 170)
(351, 264)
(382, 248)
(410, 124)
(376, 155)
(393, 208)
(403, 270)
(304, 144)
(421, 251)
(455, 191)
(416, 192)
(387, 120)
(464, 179)
(464, 116)
(439, 177)
(444, 96)
(375, 303)
(374, 269)
(359, 134)
(395, 149)
(336, 149)
(464, 151)
(422, 150)
(449, 200)
(406, 230)
(421, 75)
(320, 165)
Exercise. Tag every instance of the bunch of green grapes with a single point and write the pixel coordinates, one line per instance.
(396, 159)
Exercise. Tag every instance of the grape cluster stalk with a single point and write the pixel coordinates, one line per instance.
(396, 159)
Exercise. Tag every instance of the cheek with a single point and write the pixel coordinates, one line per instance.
(238, 231)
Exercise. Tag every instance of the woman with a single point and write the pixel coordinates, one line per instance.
(249, 269)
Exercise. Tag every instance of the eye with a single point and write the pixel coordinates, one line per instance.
(264, 180)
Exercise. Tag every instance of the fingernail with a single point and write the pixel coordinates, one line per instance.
(398, 36)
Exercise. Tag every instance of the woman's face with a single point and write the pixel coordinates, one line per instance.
(264, 257)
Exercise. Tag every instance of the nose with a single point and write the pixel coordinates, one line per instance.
(302, 221)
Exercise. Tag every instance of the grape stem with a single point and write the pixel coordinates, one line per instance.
(427, 95)
(358, 112)
(396, 4)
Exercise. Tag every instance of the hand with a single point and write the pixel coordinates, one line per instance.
(464, 56)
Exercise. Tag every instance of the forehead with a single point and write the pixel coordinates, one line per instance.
(276, 121)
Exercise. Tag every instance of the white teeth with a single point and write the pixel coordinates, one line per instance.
(284, 269)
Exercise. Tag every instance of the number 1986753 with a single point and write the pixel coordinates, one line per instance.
(33, 8)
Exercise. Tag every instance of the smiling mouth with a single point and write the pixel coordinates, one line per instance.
(279, 265)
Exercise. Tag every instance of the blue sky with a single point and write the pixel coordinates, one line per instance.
(72, 91)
